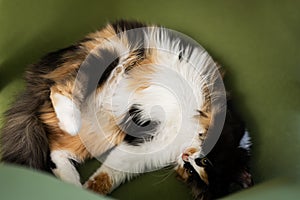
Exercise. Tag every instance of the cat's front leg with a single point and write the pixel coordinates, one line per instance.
(105, 180)
(120, 165)
(63, 167)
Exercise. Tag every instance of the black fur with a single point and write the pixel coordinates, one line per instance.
(123, 25)
(96, 70)
(228, 160)
(108, 71)
(138, 130)
(55, 59)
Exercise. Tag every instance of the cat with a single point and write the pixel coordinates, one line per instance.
(136, 97)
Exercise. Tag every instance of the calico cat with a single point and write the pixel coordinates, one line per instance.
(136, 97)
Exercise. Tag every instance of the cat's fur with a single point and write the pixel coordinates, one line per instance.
(226, 167)
(151, 105)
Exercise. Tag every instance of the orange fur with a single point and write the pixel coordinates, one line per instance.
(182, 173)
(100, 184)
(140, 75)
(203, 175)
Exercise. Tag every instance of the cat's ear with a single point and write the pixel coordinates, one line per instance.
(67, 112)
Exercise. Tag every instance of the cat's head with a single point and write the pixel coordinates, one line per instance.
(224, 169)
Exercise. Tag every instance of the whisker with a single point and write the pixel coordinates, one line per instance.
(165, 175)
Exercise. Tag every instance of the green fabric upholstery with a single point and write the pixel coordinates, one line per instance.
(19, 183)
(256, 41)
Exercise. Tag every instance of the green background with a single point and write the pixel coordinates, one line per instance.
(256, 41)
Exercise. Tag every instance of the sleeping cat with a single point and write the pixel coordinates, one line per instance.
(136, 97)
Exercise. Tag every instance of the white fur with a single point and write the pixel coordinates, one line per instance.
(64, 168)
(245, 142)
(67, 113)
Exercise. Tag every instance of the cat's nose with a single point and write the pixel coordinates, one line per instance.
(185, 157)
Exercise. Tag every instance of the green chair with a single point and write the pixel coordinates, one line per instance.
(256, 41)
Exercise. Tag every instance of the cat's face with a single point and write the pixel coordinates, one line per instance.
(214, 176)
(222, 170)
(192, 170)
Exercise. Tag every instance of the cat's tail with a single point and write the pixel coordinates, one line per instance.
(23, 138)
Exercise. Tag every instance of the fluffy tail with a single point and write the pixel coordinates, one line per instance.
(23, 138)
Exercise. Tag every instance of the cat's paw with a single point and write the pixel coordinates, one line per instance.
(100, 183)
